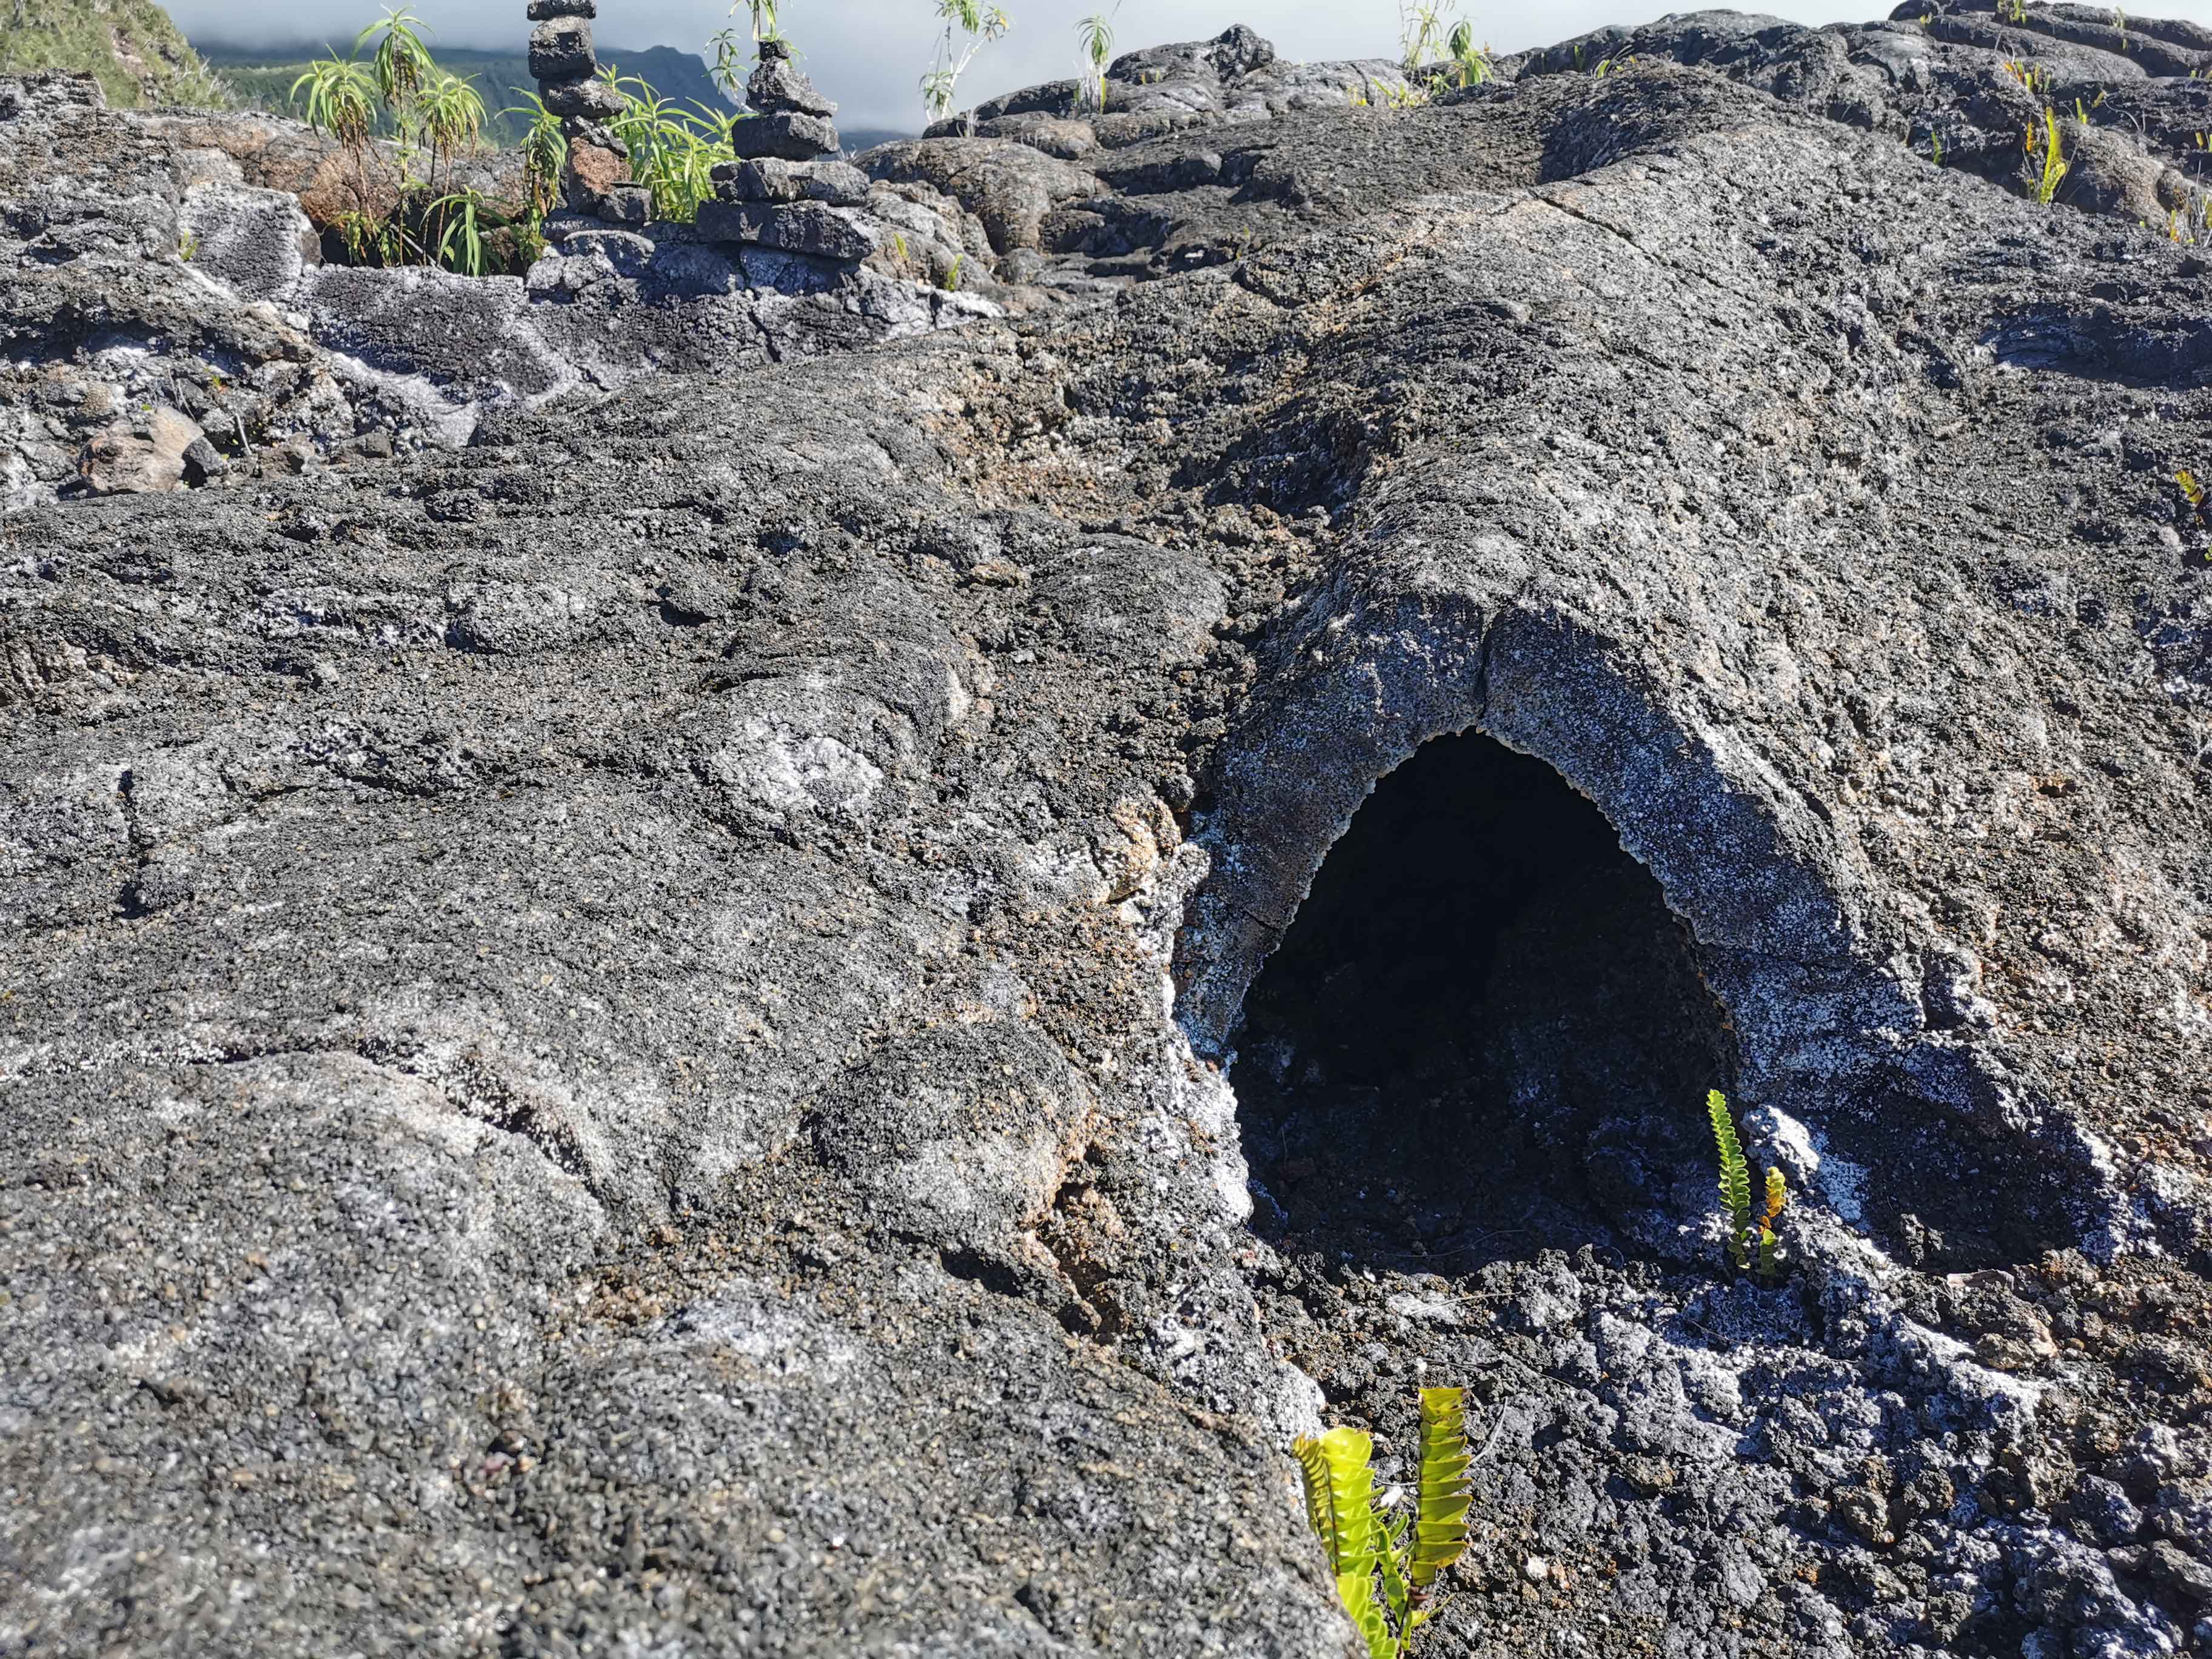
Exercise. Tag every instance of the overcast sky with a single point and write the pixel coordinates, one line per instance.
(867, 54)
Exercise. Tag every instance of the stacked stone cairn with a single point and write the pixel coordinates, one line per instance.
(595, 179)
(787, 190)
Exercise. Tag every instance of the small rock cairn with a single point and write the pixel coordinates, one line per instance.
(787, 190)
(595, 176)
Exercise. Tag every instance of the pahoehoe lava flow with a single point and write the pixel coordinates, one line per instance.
(781, 938)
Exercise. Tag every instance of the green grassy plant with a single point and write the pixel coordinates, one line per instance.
(1095, 34)
(1386, 1561)
(129, 46)
(406, 209)
(673, 152)
(970, 26)
(2053, 167)
(1470, 63)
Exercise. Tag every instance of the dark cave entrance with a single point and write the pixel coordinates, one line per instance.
(1484, 1034)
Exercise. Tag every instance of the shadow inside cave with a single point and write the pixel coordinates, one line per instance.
(1484, 1034)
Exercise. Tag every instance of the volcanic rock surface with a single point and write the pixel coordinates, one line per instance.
(723, 1020)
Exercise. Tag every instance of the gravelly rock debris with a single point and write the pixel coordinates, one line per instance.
(740, 1017)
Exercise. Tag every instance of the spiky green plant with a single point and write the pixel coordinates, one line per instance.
(461, 219)
(401, 63)
(1386, 1562)
(2054, 163)
(1470, 62)
(981, 23)
(340, 99)
(545, 153)
(1422, 27)
(1095, 34)
(673, 152)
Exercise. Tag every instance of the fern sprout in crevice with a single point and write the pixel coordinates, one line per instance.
(1386, 1561)
(1752, 1244)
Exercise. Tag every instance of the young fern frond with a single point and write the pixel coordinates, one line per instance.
(1777, 1195)
(1341, 1498)
(1356, 1591)
(1735, 1175)
(1386, 1563)
(1440, 1514)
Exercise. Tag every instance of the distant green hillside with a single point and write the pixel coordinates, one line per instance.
(262, 76)
(130, 45)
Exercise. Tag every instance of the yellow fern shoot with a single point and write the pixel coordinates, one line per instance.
(1777, 1195)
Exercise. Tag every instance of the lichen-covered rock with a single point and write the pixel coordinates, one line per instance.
(1008, 185)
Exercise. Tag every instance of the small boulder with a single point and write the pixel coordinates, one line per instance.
(123, 461)
(790, 135)
(592, 171)
(539, 10)
(770, 179)
(587, 96)
(201, 464)
(626, 204)
(778, 87)
(827, 233)
(560, 50)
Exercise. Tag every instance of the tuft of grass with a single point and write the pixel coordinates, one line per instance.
(673, 152)
(2054, 167)
(1094, 35)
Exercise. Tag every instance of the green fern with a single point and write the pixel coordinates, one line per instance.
(1384, 1564)
(1440, 1520)
(1751, 1238)
(1736, 1177)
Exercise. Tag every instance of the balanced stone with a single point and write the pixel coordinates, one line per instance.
(789, 135)
(587, 96)
(778, 85)
(560, 50)
(592, 171)
(795, 228)
(770, 178)
(539, 10)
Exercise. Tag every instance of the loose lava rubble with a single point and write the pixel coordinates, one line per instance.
(717, 953)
